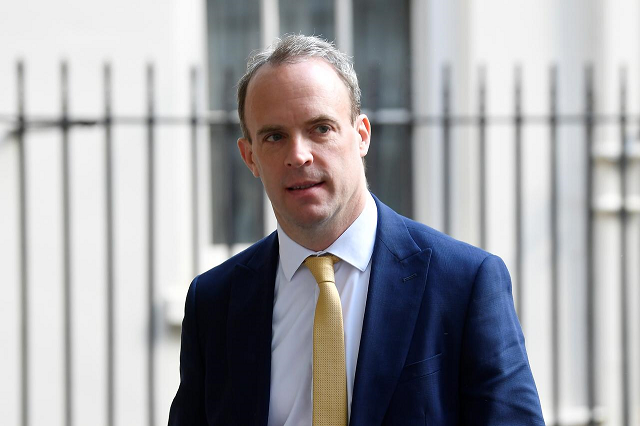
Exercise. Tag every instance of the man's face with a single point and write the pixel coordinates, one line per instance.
(305, 147)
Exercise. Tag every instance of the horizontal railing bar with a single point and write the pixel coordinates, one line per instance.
(40, 121)
(510, 120)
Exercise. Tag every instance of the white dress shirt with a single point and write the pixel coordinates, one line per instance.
(296, 294)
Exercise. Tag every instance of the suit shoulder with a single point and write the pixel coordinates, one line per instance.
(447, 252)
(456, 259)
(461, 262)
(220, 277)
(425, 237)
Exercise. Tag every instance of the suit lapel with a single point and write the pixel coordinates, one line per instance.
(396, 287)
(249, 333)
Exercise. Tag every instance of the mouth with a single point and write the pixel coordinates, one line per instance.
(304, 186)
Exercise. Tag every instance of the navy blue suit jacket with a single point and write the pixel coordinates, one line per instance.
(441, 343)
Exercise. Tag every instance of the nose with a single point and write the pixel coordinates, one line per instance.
(299, 153)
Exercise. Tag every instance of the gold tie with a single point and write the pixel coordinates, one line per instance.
(329, 370)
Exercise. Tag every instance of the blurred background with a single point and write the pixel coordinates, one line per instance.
(513, 125)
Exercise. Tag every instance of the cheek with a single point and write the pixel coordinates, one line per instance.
(268, 174)
(356, 146)
(262, 165)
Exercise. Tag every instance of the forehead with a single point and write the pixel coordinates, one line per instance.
(295, 87)
(297, 73)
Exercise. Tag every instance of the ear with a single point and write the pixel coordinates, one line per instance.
(364, 130)
(246, 152)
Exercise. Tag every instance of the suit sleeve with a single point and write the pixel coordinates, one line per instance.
(187, 408)
(497, 387)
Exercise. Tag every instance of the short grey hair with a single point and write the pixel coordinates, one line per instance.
(295, 48)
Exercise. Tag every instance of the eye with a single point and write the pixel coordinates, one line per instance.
(273, 137)
(323, 129)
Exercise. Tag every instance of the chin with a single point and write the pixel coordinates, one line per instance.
(309, 219)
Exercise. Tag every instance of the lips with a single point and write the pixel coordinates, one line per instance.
(303, 185)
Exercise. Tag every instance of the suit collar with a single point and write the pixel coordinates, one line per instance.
(249, 332)
(396, 287)
(393, 233)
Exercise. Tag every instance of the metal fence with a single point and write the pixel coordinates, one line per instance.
(447, 121)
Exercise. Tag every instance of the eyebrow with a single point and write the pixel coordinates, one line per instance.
(268, 129)
(320, 118)
(276, 128)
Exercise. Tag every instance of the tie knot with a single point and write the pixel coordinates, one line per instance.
(321, 267)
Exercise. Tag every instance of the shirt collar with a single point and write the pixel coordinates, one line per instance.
(354, 246)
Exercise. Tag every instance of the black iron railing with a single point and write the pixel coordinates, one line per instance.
(446, 121)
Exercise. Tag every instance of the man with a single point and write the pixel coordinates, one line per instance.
(429, 336)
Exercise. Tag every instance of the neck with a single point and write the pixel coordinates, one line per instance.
(320, 236)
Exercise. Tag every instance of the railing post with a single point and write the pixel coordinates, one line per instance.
(151, 120)
(589, 120)
(195, 247)
(482, 157)
(373, 160)
(231, 153)
(24, 260)
(517, 118)
(625, 367)
(446, 147)
(555, 241)
(108, 157)
(66, 241)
